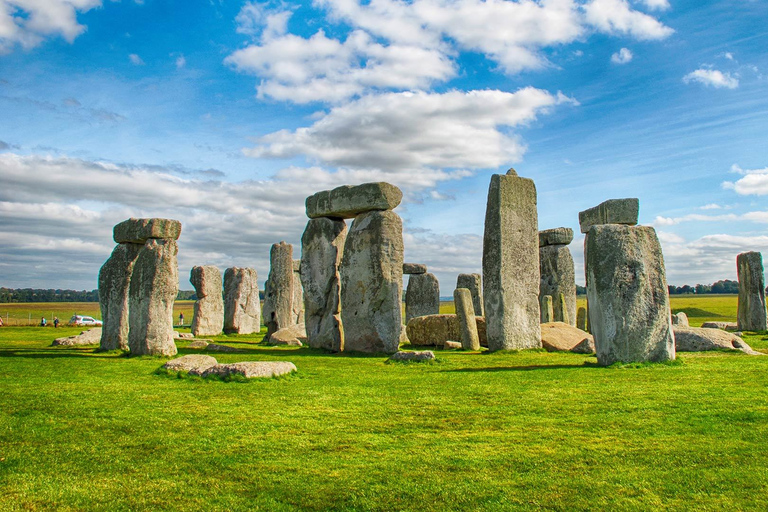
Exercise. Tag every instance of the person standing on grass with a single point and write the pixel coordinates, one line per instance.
(55, 322)
(43, 322)
(181, 318)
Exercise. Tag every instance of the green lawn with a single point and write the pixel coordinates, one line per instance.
(81, 430)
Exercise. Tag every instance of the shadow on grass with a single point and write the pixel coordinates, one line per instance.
(268, 350)
(527, 368)
(52, 353)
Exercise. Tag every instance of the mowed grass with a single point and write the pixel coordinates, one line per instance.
(83, 430)
(30, 313)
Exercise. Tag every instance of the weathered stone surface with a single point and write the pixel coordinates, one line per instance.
(627, 290)
(322, 246)
(294, 336)
(372, 283)
(581, 319)
(725, 326)
(214, 347)
(183, 335)
(561, 337)
(451, 345)
(199, 344)
(414, 268)
(349, 201)
(423, 355)
(692, 339)
(473, 283)
(511, 264)
(547, 309)
(153, 290)
(555, 236)
(481, 331)
(89, 337)
(114, 285)
(138, 231)
(208, 319)
(278, 292)
(297, 265)
(558, 276)
(422, 297)
(252, 369)
(752, 312)
(242, 309)
(680, 319)
(612, 211)
(297, 306)
(462, 298)
(189, 362)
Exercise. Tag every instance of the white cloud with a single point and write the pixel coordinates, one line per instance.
(27, 23)
(135, 60)
(617, 17)
(753, 183)
(181, 61)
(711, 206)
(622, 56)
(728, 55)
(713, 78)
(412, 138)
(657, 5)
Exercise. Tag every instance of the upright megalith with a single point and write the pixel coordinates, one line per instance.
(629, 312)
(278, 292)
(473, 283)
(153, 290)
(322, 246)
(581, 319)
(371, 273)
(208, 319)
(752, 312)
(422, 296)
(462, 298)
(242, 309)
(114, 285)
(297, 305)
(558, 276)
(547, 309)
(511, 264)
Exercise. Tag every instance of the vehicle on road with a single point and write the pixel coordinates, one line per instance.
(84, 320)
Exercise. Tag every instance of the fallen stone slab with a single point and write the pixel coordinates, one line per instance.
(562, 337)
(423, 355)
(348, 201)
(451, 345)
(89, 337)
(138, 231)
(699, 339)
(190, 362)
(294, 336)
(612, 211)
(199, 344)
(252, 369)
(213, 347)
(435, 330)
(414, 268)
(725, 326)
(555, 236)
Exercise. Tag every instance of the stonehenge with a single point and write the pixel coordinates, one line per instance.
(414, 268)
(470, 340)
(751, 312)
(558, 276)
(511, 264)
(241, 301)
(473, 283)
(208, 318)
(422, 296)
(278, 291)
(547, 309)
(138, 285)
(612, 211)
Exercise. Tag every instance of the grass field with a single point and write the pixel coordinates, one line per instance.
(83, 430)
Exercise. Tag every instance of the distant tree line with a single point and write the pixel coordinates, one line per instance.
(8, 295)
(723, 286)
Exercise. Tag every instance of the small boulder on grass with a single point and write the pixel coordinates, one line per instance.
(199, 344)
(190, 362)
(295, 336)
(213, 347)
(451, 345)
(251, 369)
(423, 355)
(89, 337)
(693, 339)
(561, 337)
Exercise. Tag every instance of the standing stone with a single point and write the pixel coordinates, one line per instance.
(372, 283)
(628, 299)
(422, 297)
(558, 277)
(298, 294)
(242, 310)
(470, 340)
(278, 298)
(473, 283)
(208, 319)
(154, 286)
(511, 264)
(752, 312)
(114, 286)
(547, 310)
(581, 319)
(322, 245)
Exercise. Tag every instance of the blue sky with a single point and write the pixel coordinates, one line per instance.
(226, 115)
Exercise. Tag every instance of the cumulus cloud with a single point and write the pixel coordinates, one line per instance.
(753, 183)
(27, 23)
(415, 139)
(407, 46)
(712, 78)
(658, 5)
(622, 56)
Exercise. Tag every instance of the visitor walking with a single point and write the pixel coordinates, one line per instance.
(43, 322)
(55, 322)
(181, 319)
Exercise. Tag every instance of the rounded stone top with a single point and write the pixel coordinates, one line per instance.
(138, 231)
(555, 236)
(511, 172)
